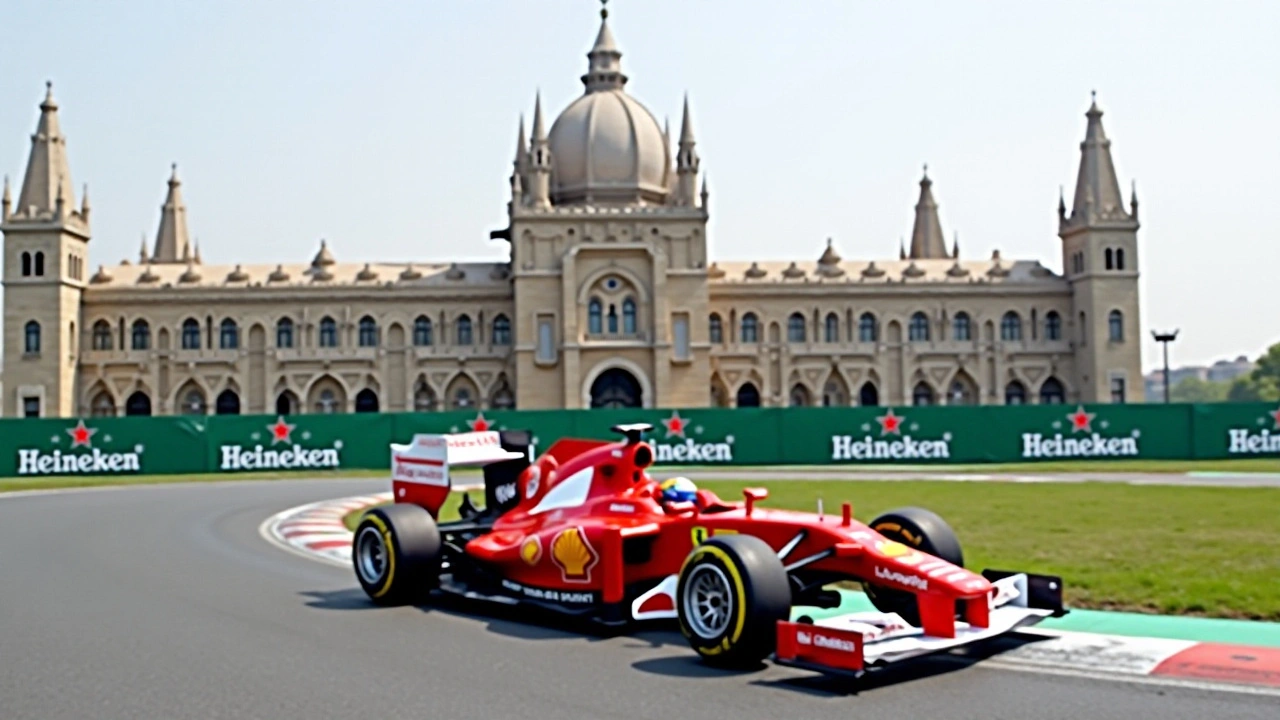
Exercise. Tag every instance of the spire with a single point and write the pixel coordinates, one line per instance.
(686, 124)
(171, 238)
(926, 237)
(539, 127)
(687, 161)
(522, 148)
(5, 201)
(955, 247)
(540, 159)
(1097, 196)
(604, 67)
(198, 260)
(84, 202)
(706, 194)
(48, 174)
(142, 254)
(1133, 200)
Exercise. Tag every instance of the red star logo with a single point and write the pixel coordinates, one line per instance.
(80, 435)
(280, 430)
(1276, 417)
(890, 423)
(675, 424)
(479, 424)
(1081, 420)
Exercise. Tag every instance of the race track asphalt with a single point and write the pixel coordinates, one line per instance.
(165, 602)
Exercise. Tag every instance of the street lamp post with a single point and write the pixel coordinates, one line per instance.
(1164, 339)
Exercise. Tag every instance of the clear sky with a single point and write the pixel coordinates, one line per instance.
(388, 127)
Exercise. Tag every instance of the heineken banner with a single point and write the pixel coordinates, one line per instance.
(747, 436)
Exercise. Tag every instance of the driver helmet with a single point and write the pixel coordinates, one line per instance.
(678, 489)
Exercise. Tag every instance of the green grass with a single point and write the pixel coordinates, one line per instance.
(11, 484)
(1159, 549)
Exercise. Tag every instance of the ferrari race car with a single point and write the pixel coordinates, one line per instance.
(585, 530)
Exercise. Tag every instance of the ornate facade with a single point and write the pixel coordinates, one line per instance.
(608, 298)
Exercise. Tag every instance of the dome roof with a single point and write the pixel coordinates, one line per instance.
(607, 147)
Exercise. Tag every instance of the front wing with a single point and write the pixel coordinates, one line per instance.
(852, 643)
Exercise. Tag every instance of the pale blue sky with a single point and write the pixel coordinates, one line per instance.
(389, 127)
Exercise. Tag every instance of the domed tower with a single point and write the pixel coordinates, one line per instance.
(608, 252)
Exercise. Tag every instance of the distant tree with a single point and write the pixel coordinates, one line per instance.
(1263, 384)
(1194, 390)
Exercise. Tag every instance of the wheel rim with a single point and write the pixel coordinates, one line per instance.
(371, 555)
(708, 602)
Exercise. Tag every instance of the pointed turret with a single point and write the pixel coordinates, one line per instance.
(522, 149)
(172, 240)
(1097, 197)
(143, 256)
(604, 69)
(84, 203)
(687, 161)
(5, 201)
(198, 260)
(540, 159)
(926, 237)
(48, 174)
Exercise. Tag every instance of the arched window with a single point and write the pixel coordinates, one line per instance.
(1052, 325)
(1110, 259)
(463, 330)
(284, 333)
(366, 401)
(31, 338)
(141, 335)
(1115, 326)
(715, 328)
(368, 332)
(961, 327)
(138, 404)
(629, 316)
(748, 395)
(922, 394)
(1119, 258)
(501, 330)
(39, 264)
(190, 334)
(422, 331)
(868, 395)
(101, 335)
(799, 396)
(595, 317)
(831, 333)
(26, 264)
(1052, 393)
(795, 328)
(918, 329)
(193, 403)
(229, 335)
(328, 332)
(1015, 393)
(228, 403)
(102, 405)
(750, 328)
(1011, 326)
(867, 328)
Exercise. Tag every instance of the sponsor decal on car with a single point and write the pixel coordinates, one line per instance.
(700, 533)
(899, 447)
(677, 447)
(292, 456)
(1092, 444)
(884, 573)
(821, 640)
(1246, 441)
(573, 554)
(82, 458)
(504, 493)
(622, 508)
(564, 597)
(531, 550)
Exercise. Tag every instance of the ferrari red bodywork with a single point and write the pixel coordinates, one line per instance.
(582, 529)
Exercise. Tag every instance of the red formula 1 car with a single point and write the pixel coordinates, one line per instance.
(585, 530)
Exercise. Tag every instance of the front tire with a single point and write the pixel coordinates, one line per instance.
(921, 530)
(732, 592)
(396, 553)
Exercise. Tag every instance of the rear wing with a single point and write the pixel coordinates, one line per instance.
(421, 469)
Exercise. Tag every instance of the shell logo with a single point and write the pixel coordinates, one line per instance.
(891, 548)
(531, 550)
(573, 554)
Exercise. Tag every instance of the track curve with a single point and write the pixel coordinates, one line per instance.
(164, 601)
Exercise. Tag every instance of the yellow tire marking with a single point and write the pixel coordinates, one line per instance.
(391, 554)
(732, 569)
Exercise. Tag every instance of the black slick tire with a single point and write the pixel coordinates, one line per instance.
(732, 592)
(921, 530)
(396, 554)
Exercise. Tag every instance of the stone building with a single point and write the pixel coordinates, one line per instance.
(608, 298)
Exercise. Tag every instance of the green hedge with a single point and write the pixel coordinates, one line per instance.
(748, 436)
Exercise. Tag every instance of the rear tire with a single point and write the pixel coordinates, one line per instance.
(396, 554)
(732, 592)
(921, 530)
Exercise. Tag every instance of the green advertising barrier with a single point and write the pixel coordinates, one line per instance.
(102, 446)
(702, 436)
(239, 443)
(983, 434)
(1236, 430)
